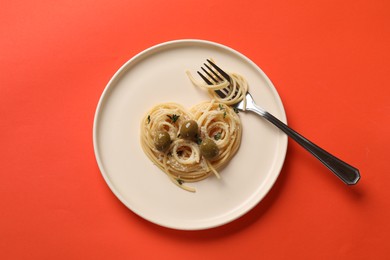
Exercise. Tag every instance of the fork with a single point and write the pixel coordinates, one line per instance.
(347, 173)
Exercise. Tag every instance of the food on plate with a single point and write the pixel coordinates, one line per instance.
(190, 145)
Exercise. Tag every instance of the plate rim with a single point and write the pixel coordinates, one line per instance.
(111, 84)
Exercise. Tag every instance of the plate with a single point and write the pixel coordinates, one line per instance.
(158, 75)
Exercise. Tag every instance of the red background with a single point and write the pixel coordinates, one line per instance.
(329, 60)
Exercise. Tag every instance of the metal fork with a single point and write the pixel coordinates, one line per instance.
(347, 173)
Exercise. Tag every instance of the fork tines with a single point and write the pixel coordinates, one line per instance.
(212, 75)
(223, 73)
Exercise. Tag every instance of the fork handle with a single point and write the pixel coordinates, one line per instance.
(347, 173)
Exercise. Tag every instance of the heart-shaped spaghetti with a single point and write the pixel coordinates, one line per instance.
(183, 160)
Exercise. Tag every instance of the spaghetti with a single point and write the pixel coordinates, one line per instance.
(183, 159)
(190, 145)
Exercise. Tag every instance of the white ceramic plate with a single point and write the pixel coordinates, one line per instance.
(157, 75)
